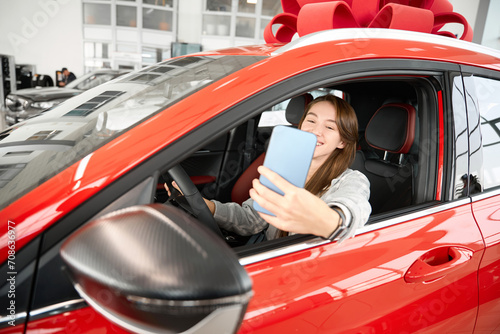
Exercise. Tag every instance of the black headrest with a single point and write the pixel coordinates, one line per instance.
(295, 108)
(392, 128)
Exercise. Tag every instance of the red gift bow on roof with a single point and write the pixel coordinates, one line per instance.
(308, 16)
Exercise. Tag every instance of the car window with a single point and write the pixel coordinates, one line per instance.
(96, 117)
(460, 154)
(73, 84)
(277, 114)
(95, 80)
(486, 99)
(216, 168)
(16, 276)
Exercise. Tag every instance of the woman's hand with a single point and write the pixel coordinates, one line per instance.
(175, 186)
(210, 204)
(298, 211)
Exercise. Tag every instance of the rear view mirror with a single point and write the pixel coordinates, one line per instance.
(154, 269)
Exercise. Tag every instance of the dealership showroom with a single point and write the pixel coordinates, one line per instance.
(250, 166)
(41, 37)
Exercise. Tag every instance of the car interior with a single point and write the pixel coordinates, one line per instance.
(395, 151)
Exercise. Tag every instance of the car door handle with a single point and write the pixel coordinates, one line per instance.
(436, 263)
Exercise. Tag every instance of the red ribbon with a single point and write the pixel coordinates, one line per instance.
(307, 16)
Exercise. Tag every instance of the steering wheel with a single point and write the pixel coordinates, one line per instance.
(196, 206)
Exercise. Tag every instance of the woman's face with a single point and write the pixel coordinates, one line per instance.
(321, 121)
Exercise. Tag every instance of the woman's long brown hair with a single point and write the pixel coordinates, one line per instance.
(340, 159)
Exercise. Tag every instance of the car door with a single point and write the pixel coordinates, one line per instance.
(483, 183)
(409, 270)
(364, 285)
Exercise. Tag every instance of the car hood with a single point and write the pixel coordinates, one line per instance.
(46, 93)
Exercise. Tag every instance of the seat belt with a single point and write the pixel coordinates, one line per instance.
(249, 151)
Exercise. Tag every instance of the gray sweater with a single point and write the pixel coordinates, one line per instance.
(349, 192)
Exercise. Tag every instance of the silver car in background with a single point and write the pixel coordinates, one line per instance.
(29, 102)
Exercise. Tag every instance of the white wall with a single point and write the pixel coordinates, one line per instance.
(190, 21)
(467, 8)
(491, 36)
(44, 33)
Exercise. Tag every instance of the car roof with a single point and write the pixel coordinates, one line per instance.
(356, 39)
(380, 33)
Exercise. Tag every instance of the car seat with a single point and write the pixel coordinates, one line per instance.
(293, 113)
(392, 131)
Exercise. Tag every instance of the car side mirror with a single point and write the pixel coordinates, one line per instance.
(153, 268)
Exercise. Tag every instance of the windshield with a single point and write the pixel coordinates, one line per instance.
(91, 80)
(43, 146)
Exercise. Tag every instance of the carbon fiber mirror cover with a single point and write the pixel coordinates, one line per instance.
(153, 266)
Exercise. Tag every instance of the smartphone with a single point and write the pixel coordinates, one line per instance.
(289, 154)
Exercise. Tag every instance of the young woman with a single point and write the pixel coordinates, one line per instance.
(334, 202)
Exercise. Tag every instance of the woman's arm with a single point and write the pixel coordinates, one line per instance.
(350, 192)
(241, 219)
(299, 211)
(210, 205)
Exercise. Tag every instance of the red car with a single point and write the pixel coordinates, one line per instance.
(88, 245)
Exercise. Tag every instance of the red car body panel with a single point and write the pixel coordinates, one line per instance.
(85, 320)
(369, 286)
(292, 290)
(19, 329)
(368, 283)
(487, 215)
